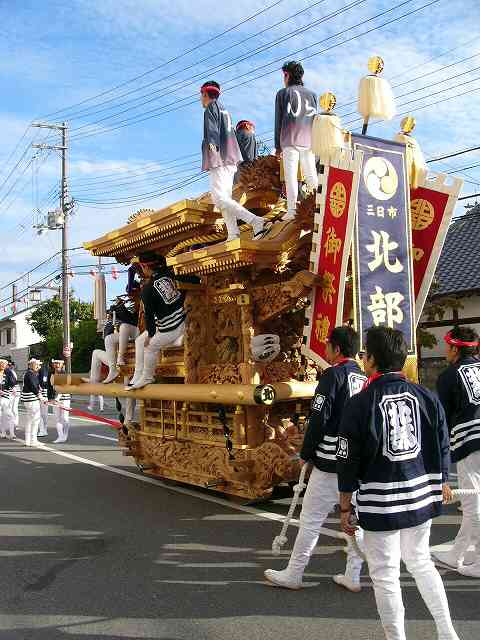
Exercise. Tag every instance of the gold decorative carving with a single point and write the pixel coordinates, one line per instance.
(261, 175)
(198, 464)
(220, 374)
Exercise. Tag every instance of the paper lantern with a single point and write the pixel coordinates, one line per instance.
(375, 96)
(327, 133)
(416, 165)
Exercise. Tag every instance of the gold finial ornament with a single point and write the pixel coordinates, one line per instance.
(375, 65)
(407, 124)
(328, 101)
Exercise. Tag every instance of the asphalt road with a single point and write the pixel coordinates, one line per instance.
(92, 549)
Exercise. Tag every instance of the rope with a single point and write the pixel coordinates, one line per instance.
(465, 492)
(281, 540)
(222, 416)
(83, 414)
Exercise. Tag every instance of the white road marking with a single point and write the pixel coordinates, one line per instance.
(256, 515)
(95, 435)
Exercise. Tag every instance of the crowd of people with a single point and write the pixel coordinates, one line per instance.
(36, 394)
(381, 447)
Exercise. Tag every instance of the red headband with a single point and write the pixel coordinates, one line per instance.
(245, 123)
(459, 343)
(209, 87)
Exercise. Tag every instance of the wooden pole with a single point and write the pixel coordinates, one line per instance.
(228, 394)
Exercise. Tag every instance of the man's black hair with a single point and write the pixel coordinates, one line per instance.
(153, 258)
(466, 334)
(346, 339)
(388, 348)
(295, 72)
(211, 94)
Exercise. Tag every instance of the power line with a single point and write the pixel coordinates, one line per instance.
(142, 197)
(472, 195)
(141, 169)
(164, 64)
(228, 64)
(424, 75)
(472, 166)
(427, 86)
(139, 177)
(454, 154)
(425, 105)
(191, 66)
(153, 113)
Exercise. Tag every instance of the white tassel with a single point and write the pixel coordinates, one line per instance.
(327, 136)
(375, 98)
(416, 165)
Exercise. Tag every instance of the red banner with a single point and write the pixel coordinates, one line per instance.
(431, 207)
(331, 243)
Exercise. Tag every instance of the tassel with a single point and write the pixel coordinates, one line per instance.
(327, 133)
(375, 96)
(416, 165)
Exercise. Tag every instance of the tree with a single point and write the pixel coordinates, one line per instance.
(47, 321)
(435, 309)
(47, 318)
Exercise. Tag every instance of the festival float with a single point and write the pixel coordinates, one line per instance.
(362, 250)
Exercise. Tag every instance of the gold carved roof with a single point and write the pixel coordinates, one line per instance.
(275, 251)
(156, 230)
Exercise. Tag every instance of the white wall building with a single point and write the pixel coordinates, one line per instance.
(16, 338)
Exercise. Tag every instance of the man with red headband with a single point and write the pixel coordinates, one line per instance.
(247, 142)
(295, 108)
(336, 385)
(459, 391)
(220, 157)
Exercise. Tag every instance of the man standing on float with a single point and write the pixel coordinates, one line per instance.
(220, 157)
(459, 391)
(295, 108)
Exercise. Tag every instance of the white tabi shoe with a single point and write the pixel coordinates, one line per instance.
(345, 582)
(260, 228)
(290, 215)
(111, 376)
(89, 408)
(283, 579)
(140, 384)
(121, 362)
(232, 238)
(85, 380)
(446, 558)
(470, 570)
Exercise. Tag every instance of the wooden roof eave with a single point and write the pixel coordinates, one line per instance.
(239, 253)
(161, 228)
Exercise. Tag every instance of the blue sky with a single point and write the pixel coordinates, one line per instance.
(56, 54)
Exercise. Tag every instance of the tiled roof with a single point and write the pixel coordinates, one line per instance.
(459, 266)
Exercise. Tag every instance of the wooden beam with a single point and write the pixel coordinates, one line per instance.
(449, 323)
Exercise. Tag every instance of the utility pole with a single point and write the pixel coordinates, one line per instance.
(65, 210)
